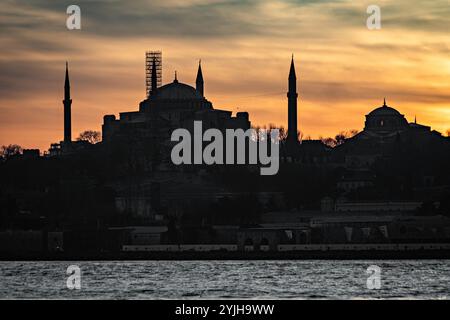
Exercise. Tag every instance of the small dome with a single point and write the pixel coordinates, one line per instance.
(385, 119)
(177, 91)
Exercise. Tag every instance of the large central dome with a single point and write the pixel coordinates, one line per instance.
(177, 91)
(175, 96)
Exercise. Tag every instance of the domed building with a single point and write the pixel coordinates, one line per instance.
(386, 132)
(171, 106)
(385, 124)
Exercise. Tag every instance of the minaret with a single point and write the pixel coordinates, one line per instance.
(67, 109)
(292, 104)
(154, 78)
(199, 80)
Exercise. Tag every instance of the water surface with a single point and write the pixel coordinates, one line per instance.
(308, 279)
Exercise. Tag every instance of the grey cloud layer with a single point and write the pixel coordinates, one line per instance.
(39, 26)
(229, 18)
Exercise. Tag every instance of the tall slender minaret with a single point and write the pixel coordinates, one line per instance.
(199, 81)
(154, 83)
(292, 104)
(67, 109)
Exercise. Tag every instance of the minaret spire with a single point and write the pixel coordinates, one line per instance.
(67, 102)
(384, 103)
(292, 104)
(199, 84)
(292, 70)
(67, 83)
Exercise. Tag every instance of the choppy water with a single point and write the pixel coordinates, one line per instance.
(426, 279)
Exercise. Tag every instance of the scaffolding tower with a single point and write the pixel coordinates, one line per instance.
(149, 56)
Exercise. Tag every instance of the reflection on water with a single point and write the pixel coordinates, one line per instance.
(425, 279)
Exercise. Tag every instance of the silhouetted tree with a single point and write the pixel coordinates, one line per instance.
(329, 142)
(264, 130)
(339, 138)
(10, 150)
(90, 136)
(283, 133)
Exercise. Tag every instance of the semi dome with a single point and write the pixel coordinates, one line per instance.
(177, 91)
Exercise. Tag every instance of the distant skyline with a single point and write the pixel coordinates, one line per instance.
(343, 69)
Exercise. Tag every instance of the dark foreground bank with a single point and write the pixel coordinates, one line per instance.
(218, 255)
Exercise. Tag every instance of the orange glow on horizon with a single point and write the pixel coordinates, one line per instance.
(344, 70)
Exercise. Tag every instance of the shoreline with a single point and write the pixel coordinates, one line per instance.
(186, 256)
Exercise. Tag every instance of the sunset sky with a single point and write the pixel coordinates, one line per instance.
(344, 70)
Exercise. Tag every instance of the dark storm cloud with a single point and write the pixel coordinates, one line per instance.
(146, 18)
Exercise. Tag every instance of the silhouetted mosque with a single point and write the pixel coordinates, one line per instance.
(385, 133)
(173, 105)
